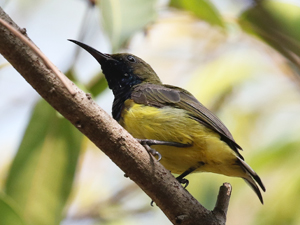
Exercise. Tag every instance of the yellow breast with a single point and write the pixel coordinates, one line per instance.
(173, 124)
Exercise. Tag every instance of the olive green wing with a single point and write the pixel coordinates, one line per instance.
(160, 96)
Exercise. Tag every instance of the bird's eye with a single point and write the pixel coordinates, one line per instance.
(131, 58)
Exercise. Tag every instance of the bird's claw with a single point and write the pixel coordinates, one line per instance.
(155, 153)
(152, 202)
(183, 181)
(145, 143)
(148, 142)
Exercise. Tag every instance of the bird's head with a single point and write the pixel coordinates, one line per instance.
(122, 70)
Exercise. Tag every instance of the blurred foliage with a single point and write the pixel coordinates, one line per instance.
(203, 9)
(238, 77)
(286, 206)
(42, 172)
(122, 18)
(97, 85)
(270, 21)
(10, 214)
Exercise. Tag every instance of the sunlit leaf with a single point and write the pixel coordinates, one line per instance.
(201, 8)
(271, 22)
(9, 212)
(42, 172)
(122, 18)
(287, 15)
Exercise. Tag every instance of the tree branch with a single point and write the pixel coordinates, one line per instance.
(177, 204)
(221, 208)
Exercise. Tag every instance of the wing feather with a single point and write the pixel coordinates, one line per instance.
(167, 95)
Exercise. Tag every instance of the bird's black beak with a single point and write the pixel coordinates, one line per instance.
(100, 57)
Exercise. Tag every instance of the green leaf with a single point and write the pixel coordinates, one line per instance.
(42, 172)
(271, 22)
(122, 18)
(10, 214)
(70, 74)
(97, 85)
(287, 15)
(201, 8)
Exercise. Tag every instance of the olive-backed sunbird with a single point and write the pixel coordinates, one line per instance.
(148, 109)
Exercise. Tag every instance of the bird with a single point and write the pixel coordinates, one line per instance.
(188, 136)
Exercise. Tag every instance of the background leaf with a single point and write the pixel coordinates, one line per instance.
(201, 8)
(10, 214)
(97, 85)
(270, 21)
(41, 175)
(122, 18)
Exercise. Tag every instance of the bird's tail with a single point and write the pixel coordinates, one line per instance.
(250, 179)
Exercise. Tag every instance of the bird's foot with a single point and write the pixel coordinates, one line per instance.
(148, 142)
(151, 203)
(183, 181)
(149, 149)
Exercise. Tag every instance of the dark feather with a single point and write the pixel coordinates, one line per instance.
(167, 95)
(255, 189)
(252, 173)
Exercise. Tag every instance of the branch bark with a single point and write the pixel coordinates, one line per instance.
(158, 183)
